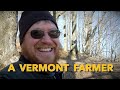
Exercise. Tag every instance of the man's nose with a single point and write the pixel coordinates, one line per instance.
(46, 39)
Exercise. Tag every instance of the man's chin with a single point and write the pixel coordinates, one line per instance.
(45, 61)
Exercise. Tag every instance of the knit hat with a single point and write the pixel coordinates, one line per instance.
(28, 18)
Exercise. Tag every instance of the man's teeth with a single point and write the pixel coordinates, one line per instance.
(45, 50)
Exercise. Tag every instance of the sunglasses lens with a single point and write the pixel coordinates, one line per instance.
(37, 34)
(54, 33)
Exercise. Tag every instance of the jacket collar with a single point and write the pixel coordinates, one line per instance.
(24, 60)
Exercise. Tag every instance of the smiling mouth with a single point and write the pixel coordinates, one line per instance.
(45, 49)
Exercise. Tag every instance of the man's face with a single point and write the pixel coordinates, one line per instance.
(43, 50)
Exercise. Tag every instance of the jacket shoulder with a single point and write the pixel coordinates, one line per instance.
(5, 74)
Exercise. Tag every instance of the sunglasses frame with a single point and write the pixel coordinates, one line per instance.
(40, 34)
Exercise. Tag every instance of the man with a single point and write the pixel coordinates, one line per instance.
(39, 40)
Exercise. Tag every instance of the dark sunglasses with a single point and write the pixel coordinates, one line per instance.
(37, 34)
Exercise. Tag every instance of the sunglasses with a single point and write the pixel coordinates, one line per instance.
(37, 34)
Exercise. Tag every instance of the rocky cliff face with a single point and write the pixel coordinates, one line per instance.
(8, 29)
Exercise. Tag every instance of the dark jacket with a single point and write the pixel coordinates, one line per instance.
(18, 74)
